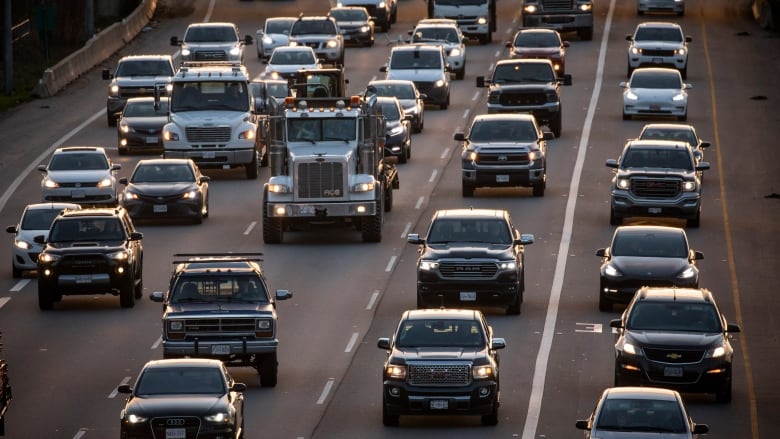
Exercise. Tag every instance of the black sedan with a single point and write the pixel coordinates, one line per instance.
(398, 141)
(140, 125)
(166, 188)
(183, 398)
(645, 256)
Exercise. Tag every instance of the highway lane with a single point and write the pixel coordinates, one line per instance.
(81, 351)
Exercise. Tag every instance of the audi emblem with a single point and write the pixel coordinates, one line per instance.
(175, 422)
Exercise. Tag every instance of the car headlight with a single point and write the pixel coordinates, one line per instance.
(275, 75)
(455, 52)
(332, 44)
(585, 7)
(382, 4)
(51, 184)
(395, 371)
(716, 352)
(363, 187)
(630, 95)
(636, 50)
(623, 183)
(482, 20)
(678, 97)
(217, 417)
(170, 136)
(124, 128)
(121, 255)
(185, 52)
(611, 271)
(507, 265)
(439, 83)
(529, 9)
(534, 155)
(113, 90)
(687, 273)
(176, 325)
(268, 40)
(680, 51)
(134, 419)
(473, 155)
(689, 186)
(235, 51)
(279, 188)
(365, 28)
(191, 195)
(396, 130)
(482, 372)
(428, 265)
(106, 182)
(131, 195)
(48, 257)
(247, 135)
(22, 244)
(629, 348)
(264, 324)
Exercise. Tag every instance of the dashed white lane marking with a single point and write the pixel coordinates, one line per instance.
(351, 342)
(433, 176)
(498, 53)
(407, 228)
(4, 300)
(156, 343)
(419, 202)
(21, 284)
(445, 153)
(466, 113)
(80, 433)
(115, 392)
(476, 96)
(372, 300)
(390, 264)
(326, 391)
(250, 227)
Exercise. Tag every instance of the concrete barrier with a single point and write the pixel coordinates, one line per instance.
(99, 48)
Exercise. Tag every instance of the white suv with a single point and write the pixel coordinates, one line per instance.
(212, 42)
(80, 174)
(658, 44)
(426, 66)
(321, 33)
(446, 32)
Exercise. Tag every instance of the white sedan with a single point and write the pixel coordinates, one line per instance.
(275, 33)
(287, 60)
(655, 91)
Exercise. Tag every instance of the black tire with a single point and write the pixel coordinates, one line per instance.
(389, 420)
(251, 168)
(585, 34)
(389, 199)
(45, 296)
(111, 120)
(460, 74)
(371, 227)
(617, 381)
(723, 396)
(122, 150)
(515, 308)
(684, 117)
(556, 125)
(445, 104)
(16, 272)
(614, 220)
(268, 368)
(696, 221)
(127, 293)
(402, 158)
(197, 219)
(409, 150)
(538, 189)
(604, 304)
(272, 227)
(139, 289)
(264, 159)
(468, 190)
(684, 72)
(626, 116)
(492, 418)
(206, 207)
(629, 70)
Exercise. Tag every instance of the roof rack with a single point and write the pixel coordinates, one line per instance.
(180, 258)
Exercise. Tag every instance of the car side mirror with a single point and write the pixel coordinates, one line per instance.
(383, 343)
(175, 41)
(204, 178)
(703, 166)
(282, 294)
(459, 137)
(481, 81)
(10, 229)
(601, 252)
(106, 74)
(566, 44)
(733, 327)
(414, 238)
(383, 69)
(697, 255)
(700, 429)
(704, 144)
(136, 236)
(629, 38)
(124, 388)
(567, 79)
(157, 296)
(623, 84)
(525, 239)
(238, 387)
(688, 39)
(123, 180)
(116, 166)
(611, 163)
(497, 343)
(582, 424)
(616, 323)
(248, 40)
(548, 135)
(42, 168)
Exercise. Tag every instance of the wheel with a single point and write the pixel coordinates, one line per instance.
(272, 228)
(389, 420)
(684, 117)
(127, 293)
(197, 219)
(514, 308)
(371, 227)
(402, 158)
(45, 299)
(681, 13)
(684, 72)
(618, 382)
(16, 272)
(445, 104)
(468, 190)
(538, 189)
(268, 368)
(111, 120)
(604, 304)
(614, 220)
(696, 221)
(629, 70)
(492, 418)
(626, 116)
(389, 199)
(409, 149)
(420, 303)
(585, 34)
(723, 396)
(556, 125)
(251, 168)
(460, 74)
(264, 160)
(483, 39)
(139, 289)
(122, 150)
(206, 208)
(640, 12)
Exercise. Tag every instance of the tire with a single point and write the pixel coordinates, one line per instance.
(272, 228)
(585, 34)
(515, 308)
(206, 208)
(16, 272)
(460, 74)
(402, 158)
(684, 72)
(629, 70)
(264, 159)
(197, 219)
(251, 168)
(684, 117)
(445, 104)
(268, 368)
(538, 189)
(696, 221)
(371, 227)
(139, 289)
(614, 220)
(127, 293)
(45, 299)
(389, 420)
(492, 418)
(122, 150)
(389, 199)
(626, 116)
(556, 125)
(604, 304)
(409, 150)
(723, 396)
(420, 303)
(617, 381)
(111, 120)
(468, 190)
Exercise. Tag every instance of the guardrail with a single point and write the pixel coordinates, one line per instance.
(99, 48)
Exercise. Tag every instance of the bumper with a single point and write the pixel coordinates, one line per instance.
(559, 22)
(400, 398)
(685, 207)
(707, 376)
(81, 196)
(543, 114)
(475, 30)
(501, 177)
(329, 55)
(468, 294)
(622, 290)
(655, 109)
(676, 62)
(232, 154)
(435, 95)
(141, 140)
(194, 428)
(77, 284)
(218, 349)
(315, 211)
(148, 210)
(26, 259)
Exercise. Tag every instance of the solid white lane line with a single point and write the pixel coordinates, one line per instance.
(351, 342)
(250, 227)
(433, 175)
(21, 284)
(390, 264)
(4, 300)
(419, 202)
(156, 343)
(325, 391)
(115, 392)
(372, 300)
(543, 356)
(407, 227)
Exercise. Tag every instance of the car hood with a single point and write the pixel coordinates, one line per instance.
(161, 189)
(511, 86)
(211, 117)
(408, 104)
(443, 353)
(661, 94)
(276, 39)
(146, 121)
(660, 45)
(503, 145)
(351, 24)
(177, 405)
(84, 246)
(312, 37)
(416, 75)
(537, 51)
(287, 68)
(602, 434)
(78, 175)
(649, 268)
(142, 81)
(216, 309)
(224, 45)
(470, 250)
(674, 338)
(656, 173)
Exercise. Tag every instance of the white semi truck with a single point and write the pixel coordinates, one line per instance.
(476, 18)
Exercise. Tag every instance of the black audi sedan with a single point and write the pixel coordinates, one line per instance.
(645, 256)
(140, 125)
(183, 398)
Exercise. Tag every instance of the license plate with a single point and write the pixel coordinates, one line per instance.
(83, 278)
(502, 178)
(468, 296)
(654, 210)
(160, 208)
(209, 154)
(307, 210)
(220, 349)
(675, 372)
(78, 194)
(175, 433)
(658, 60)
(152, 140)
(440, 404)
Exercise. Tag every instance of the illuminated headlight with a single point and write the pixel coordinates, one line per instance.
(689, 186)
(49, 183)
(22, 244)
(191, 195)
(119, 256)
(455, 52)
(630, 95)
(247, 135)
(529, 9)
(185, 52)
(680, 51)
(176, 325)
(629, 348)
(534, 155)
(217, 417)
(268, 40)
(585, 7)
(113, 90)
(124, 128)
(48, 257)
(623, 183)
(482, 372)
(332, 44)
(688, 273)
(396, 130)
(716, 352)
(636, 50)
(482, 20)
(428, 265)
(106, 182)
(131, 195)
(439, 83)
(279, 188)
(292, 43)
(134, 419)
(264, 324)
(365, 28)
(473, 156)
(235, 51)
(382, 4)
(611, 271)
(363, 187)
(170, 136)
(396, 371)
(507, 265)
(494, 97)
(275, 75)
(678, 97)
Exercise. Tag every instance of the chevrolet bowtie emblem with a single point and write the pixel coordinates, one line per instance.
(673, 356)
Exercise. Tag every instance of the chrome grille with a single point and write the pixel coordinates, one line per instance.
(80, 184)
(558, 5)
(83, 264)
(129, 92)
(439, 374)
(676, 356)
(650, 188)
(209, 55)
(320, 180)
(208, 134)
(468, 270)
(503, 158)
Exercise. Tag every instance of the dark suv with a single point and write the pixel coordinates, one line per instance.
(91, 251)
(675, 338)
(135, 76)
(471, 257)
(421, 375)
(218, 306)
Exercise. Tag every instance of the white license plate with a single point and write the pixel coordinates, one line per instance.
(78, 194)
(502, 179)
(468, 296)
(152, 140)
(209, 154)
(83, 278)
(654, 210)
(220, 349)
(307, 210)
(440, 404)
(160, 208)
(175, 433)
(675, 372)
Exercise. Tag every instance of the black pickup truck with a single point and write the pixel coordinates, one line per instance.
(5, 391)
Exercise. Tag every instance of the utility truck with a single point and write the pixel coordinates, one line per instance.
(476, 18)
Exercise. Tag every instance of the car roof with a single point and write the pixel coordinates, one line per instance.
(667, 294)
(93, 211)
(668, 126)
(213, 24)
(654, 393)
(417, 46)
(349, 8)
(649, 229)
(659, 24)
(525, 61)
(145, 58)
(183, 362)
(537, 30)
(143, 99)
(504, 116)
(271, 19)
(655, 71)
(657, 144)
(165, 161)
(52, 206)
(470, 213)
(294, 49)
(75, 149)
(442, 313)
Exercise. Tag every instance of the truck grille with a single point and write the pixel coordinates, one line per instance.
(439, 374)
(209, 55)
(208, 134)
(83, 263)
(521, 98)
(191, 425)
(558, 5)
(647, 188)
(320, 180)
(657, 52)
(468, 270)
(678, 356)
(219, 326)
(463, 20)
(503, 158)
(130, 92)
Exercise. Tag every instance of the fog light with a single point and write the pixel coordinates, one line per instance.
(394, 391)
(123, 142)
(361, 209)
(120, 270)
(280, 211)
(47, 272)
(484, 391)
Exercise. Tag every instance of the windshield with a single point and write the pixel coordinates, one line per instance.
(517, 72)
(206, 34)
(209, 95)
(673, 316)
(278, 26)
(503, 131)
(398, 91)
(349, 15)
(656, 79)
(39, 219)
(227, 288)
(416, 59)
(658, 34)
(537, 39)
(649, 244)
(163, 173)
(435, 34)
(306, 27)
(145, 109)
(313, 130)
(641, 415)
(183, 380)
(482, 230)
(657, 158)
(391, 111)
(292, 57)
(680, 135)
(144, 68)
(86, 229)
(440, 333)
(77, 161)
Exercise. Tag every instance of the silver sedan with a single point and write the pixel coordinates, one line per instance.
(655, 91)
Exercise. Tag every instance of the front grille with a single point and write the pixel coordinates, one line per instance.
(208, 134)
(83, 263)
(320, 180)
(80, 184)
(503, 158)
(523, 98)
(131, 92)
(313, 44)
(558, 5)
(463, 20)
(219, 325)
(191, 425)
(657, 52)
(160, 199)
(210, 55)
(439, 374)
(468, 270)
(674, 356)
(651, 188)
